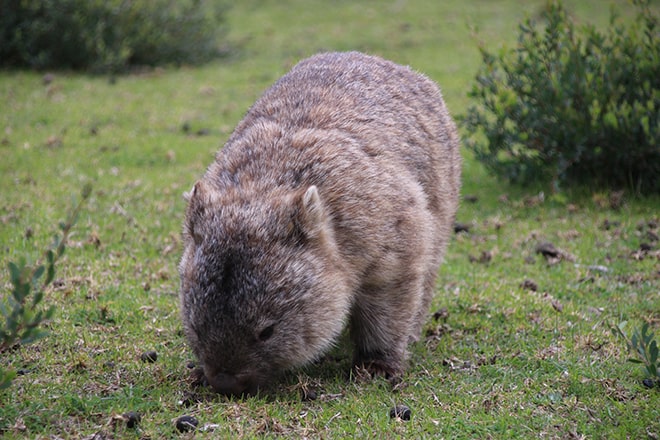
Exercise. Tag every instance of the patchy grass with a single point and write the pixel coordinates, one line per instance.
(520, 347)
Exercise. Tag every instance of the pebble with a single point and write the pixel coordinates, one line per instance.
(132, 419)
(648, 383)
(149, 356)
(186, 423)
(400, 411)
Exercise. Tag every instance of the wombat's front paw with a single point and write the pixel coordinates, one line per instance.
(197, 378)
(366, 371)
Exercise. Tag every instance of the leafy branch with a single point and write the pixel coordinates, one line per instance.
(643, 345)
(22, 313)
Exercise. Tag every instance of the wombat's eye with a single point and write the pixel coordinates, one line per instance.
(266, 333)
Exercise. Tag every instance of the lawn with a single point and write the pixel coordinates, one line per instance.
(519, 345)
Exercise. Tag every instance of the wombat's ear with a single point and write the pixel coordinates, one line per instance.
(311, 214)
(188, 194)
(197, 202)
(198, 190)
(312, 205)
(201, 196)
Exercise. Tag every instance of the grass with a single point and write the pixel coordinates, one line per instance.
(503, 361)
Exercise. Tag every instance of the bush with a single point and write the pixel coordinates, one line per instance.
(572, 105)
(108, 35)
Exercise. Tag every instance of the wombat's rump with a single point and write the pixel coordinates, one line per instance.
(331, 204)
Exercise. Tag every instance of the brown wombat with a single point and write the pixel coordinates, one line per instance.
(331, 204)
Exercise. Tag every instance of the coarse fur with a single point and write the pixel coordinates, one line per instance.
(331, 204)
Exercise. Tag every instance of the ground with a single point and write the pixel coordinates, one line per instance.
(519, 344)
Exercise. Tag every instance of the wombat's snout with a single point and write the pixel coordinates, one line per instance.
(231, 385)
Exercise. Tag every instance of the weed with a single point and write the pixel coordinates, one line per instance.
(642, 345)
(22, 311)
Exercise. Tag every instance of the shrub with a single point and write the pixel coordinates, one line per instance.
(21, 313)
(108, 35)
(572, 105)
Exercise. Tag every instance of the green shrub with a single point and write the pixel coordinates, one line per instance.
(108, 35)
(22, 315)
(572, 105)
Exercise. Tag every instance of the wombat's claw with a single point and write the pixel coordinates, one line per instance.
(361, 374)
(364, 372)
(197, 378)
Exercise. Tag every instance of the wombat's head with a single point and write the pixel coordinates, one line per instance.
(261, 286)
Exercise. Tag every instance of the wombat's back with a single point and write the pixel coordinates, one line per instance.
(389, 112)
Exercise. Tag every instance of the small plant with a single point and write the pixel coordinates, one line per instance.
(572, 105)
(23, 315)
(643, 345)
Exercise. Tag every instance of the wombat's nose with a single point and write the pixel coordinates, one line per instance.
(230, 385)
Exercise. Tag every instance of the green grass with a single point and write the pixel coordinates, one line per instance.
(505, 362)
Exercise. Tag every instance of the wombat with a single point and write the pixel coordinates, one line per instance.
(331, 204)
